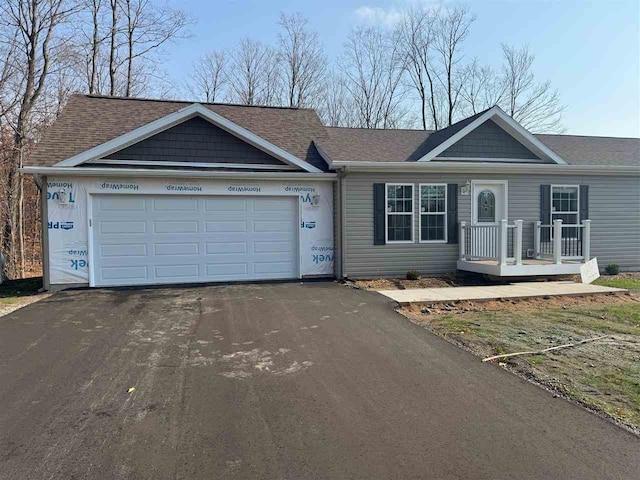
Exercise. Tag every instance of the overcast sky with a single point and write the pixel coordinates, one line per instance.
(590, 51)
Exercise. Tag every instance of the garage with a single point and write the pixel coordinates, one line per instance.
(161, 239)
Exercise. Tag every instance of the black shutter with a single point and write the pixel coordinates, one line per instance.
(452, 213)
(378, 214)
(545, 211)
(584, 203)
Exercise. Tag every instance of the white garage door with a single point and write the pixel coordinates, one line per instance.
(145, 240)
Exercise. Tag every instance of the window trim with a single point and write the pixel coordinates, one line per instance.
(387, 213)
(551, 212)
(444, 214)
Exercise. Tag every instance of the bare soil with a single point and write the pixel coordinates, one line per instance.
(603, 376)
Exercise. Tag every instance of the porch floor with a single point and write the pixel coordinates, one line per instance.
(528, 267)
(494, 292)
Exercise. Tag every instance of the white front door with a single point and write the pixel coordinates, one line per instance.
(156, 239)
(489, 202)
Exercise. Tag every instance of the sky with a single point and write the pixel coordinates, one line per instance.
(590, 51)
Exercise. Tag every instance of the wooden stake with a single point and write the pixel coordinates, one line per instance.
(545, 350)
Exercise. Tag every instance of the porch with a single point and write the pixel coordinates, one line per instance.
(557, 249)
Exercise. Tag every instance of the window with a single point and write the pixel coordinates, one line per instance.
(486, 207)
(433, 213)
(564, 206)
(399, 213)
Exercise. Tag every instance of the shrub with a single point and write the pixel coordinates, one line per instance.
(612, 269)
(413, 275)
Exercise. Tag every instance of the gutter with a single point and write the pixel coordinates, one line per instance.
(137, 172)
(486, 167)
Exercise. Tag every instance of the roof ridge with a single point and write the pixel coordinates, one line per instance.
(190, 102)
(381, 129)
(586, 136)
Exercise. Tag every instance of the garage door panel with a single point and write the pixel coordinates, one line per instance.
(175, 204)
(123, 250)
(175, 227)
(176, 271)
(122, 227)
(226, 270)
(225, 205)
(162, 249)
(191, 239)
(213, 248)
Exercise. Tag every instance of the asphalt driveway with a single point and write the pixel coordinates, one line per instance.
(281, 381)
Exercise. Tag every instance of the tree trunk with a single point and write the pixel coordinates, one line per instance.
(112, 53)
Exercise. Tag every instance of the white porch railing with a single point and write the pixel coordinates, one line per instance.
(503, 242)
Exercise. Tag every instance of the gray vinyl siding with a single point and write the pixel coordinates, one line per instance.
(490, 141)
(614, 210)
(195, 140)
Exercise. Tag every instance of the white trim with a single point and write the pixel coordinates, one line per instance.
(510, 126)
(444, 214)
(386, 212)
(159, 163)
(146, 173)
(486, 160)
(486, 168)
(474, 216)
(524, 270)
(176, 118)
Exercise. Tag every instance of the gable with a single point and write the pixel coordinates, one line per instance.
(489, 141)
(195, 141)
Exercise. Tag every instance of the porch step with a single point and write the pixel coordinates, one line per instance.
(495, 292)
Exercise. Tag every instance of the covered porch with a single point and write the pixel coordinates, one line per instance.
(557, 249)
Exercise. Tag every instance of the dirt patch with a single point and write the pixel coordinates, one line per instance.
(603, 376)
(451, 280)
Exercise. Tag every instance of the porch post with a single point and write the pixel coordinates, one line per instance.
(517, 248)
(557, 241)
(502, 242)
(586, 240)
(461, 239)
(536, 239)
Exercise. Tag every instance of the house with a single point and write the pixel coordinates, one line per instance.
(139, 192)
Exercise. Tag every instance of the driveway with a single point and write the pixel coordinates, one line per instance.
(284, 381)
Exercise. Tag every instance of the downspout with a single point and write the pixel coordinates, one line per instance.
(342, 182)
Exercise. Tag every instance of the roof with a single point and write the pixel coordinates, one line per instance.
(368, 145)
(88, 121)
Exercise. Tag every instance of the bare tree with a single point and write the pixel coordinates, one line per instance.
(373, 66)
(335, 107)
(209, 76)
(483, 88)
(533, 104)
(452, 29)
(417, 31)
(35, 21)
(302, 60)
(148, 27)
(113, 46)
(254, 75)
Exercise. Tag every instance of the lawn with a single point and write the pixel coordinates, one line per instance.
(619, 281)
(603, 375)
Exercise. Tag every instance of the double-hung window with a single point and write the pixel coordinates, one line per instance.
(565, 206)
(399, 214)
(433, 212)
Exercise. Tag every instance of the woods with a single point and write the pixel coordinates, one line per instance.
(412, 74)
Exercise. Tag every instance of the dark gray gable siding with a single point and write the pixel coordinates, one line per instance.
(489, 140)
(195, 140)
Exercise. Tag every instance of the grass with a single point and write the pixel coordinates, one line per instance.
(604, 375)
(12, 290)
(627, 283)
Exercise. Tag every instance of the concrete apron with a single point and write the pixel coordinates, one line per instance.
(495, 292)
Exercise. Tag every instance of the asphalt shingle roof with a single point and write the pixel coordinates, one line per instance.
(88, 121)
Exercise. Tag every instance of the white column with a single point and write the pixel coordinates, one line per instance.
(536, 239)
(461, 239)
(517, 248)
(557, 241)
(502, 242)
(586, 240)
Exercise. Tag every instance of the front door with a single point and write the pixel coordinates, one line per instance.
(489, 204)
